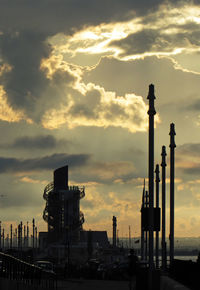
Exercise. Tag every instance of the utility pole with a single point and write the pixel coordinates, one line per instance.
(172, 146)
(163, 165)
(157, 206)
(151, 114)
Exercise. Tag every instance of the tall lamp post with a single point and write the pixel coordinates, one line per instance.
(151, 114)
(172, 147)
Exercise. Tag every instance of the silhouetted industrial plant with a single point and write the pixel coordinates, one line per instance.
(75, 252)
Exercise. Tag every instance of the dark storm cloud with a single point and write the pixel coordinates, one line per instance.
(36, 142)
(25, 82)
(26, 85)
(55, 16)
(44, 163)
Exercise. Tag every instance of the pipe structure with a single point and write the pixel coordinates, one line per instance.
(172, 146)
(142, 230)
(151, 114)
(163, 165)
(114, 230)
(157, 206)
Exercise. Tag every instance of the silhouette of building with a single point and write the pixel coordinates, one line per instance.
(62, 211)
(99, 238)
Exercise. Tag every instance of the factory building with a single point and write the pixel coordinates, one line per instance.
(62, 211)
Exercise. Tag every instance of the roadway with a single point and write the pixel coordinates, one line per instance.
(92, 285)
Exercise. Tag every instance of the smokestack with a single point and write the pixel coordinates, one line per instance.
(114, 231)
(163, 165)
(157, 206)
(172, 146)
(151, 114)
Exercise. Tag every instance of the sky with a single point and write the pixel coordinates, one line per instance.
(74, 78)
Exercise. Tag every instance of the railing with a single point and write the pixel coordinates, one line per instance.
(14, 269)
(48, 188)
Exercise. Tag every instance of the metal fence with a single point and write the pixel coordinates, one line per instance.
(14, 269)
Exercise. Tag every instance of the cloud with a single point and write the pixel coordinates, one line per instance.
(97, 107)
(102, 172)
(189, 150)
(41, 16)
(14, 165)
(41, 142)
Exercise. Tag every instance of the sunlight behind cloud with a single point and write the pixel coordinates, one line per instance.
(105, 39)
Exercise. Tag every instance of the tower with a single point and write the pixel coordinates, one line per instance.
(62, 211)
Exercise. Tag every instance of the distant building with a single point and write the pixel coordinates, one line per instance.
(99, 238)
(62, 211)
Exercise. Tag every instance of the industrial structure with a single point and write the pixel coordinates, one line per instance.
(62, 212)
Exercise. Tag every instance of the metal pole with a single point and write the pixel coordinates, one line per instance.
(33, 245)
(3, 236)
(142, 230)
(27, 232)
(21, 230)
(24, 236)
(157, 206)
(151, 114)
(172, 146)
(114, 230)
(11, 236)
(163, 165)
(36, 237)
(0, 234)
(146, 232)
